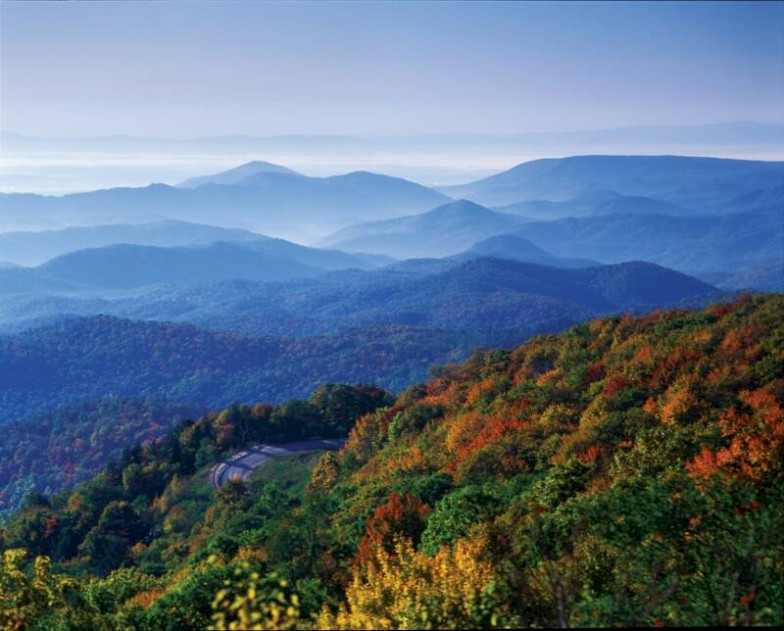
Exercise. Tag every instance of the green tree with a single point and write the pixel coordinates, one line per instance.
(108, 543)
(455, 515)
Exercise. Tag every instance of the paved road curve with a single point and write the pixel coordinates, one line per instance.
(243, 463)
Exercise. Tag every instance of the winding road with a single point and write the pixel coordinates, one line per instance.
(243, 463)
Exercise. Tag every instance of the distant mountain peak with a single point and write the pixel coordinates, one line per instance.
(443, 231)
(261, 164)
(361, 173)
(237, 174)
(461, 207)
(503, 244)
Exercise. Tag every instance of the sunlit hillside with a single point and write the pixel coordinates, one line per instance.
(628, 471)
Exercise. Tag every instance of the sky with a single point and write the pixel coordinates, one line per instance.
(184, 69)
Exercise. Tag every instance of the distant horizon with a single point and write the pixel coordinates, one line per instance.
(59, 165)
(468, 175)
(379, 134)
(104, 94)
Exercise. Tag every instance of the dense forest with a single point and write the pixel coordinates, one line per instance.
(54, 451)
(89, 359)
(257, 342)
(471, 292)
(625, 472)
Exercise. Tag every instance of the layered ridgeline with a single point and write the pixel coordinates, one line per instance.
(174, 253)
(75, 393)
(448, 229)
(351, 327)
(702, 216)
(700, 244)
(717, 218)
(683, 181)
(626, 472)
(274, 201)
(34, 248)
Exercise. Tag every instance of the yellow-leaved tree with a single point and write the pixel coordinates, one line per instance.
(406, 589)
(26, 601)
(252, 602)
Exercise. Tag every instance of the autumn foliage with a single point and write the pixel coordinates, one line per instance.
(627, 472)
(401, 516)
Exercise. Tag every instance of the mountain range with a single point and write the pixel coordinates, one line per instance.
(467, 275)
(115, 333)
(437, 293)
(698, 215)
(585, 222)
(699, 244)
(697, 183)
(33, 248)
(274, 202)
(517, 248)
(386, 327)
(443, 231)
(124, 266)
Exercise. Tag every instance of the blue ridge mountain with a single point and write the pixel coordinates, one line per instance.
(589, 203)
(348, 326)
(22, 280)
(443, 231)
(237, 174)
(636, 204)
(697, 245)
(126, 266)
(478, 294)
(517, 248)
(692, 182)
(766, 200)
(281, 204)
(770, 278)
(32, 248)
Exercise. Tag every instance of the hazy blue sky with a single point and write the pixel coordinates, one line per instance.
(202, 68)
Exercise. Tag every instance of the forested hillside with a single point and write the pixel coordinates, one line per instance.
(388, 328)
(628, 471)
(471, 292)
(55, 451)
(89, 359)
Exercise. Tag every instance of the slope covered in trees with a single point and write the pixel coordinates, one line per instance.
(626, 472)
(388, 328)
(92, 358)
(470, 292)
(55, 451)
